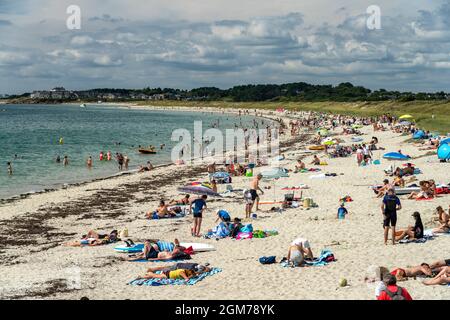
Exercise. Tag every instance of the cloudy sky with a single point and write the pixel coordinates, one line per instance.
(192, 43)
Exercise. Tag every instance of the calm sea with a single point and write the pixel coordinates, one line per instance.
(30, 134)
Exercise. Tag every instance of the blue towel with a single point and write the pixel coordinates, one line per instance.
(161, 282)
(168, 261)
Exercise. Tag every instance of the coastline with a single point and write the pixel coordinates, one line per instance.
(59, 186)
(36, 265)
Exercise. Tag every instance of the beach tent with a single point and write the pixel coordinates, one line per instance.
(445, 141)
(419, 135)
(406, 116)
(444, 152)
(274, 173)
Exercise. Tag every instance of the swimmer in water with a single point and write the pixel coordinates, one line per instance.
(89, 162)
(10, 170)
(108, 156)
(101, 156)
(66, 160)
(58, 159)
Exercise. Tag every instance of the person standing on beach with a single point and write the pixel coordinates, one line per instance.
(254, 187)
(119, 158)
(10, 169)
(199, 205)
(390, 205)
(211, 168)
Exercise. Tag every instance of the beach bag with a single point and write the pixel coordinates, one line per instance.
(267, 260)
(244, 235)
(395, 295)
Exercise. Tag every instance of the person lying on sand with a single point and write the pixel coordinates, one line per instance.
(440, 264)
(412, 232)
(404, 273)
(443, 277)
(182, 202)
(159, 251)
(181, 265)
(179, 274)
(93, 238)
(444, 221)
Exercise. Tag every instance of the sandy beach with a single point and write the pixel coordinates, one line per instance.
(35, 265)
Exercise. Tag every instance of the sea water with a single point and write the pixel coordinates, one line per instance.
(30, 140)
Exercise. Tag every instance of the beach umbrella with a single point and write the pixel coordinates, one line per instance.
(444, 152)
(445, 141)
(199, 189)
(323, 132)
(404, 123)
(406, 116)
(396, 156)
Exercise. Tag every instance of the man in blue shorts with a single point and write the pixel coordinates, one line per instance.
(196, 207)
(390, 205)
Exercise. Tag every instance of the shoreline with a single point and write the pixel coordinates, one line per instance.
(60, 186)
(63, 186)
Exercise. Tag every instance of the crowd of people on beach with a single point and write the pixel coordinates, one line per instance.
(299, 250)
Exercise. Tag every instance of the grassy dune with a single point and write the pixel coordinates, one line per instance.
(421, 110)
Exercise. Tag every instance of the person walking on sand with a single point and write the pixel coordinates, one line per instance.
(389, 206)
(199, 205)
(254, 187)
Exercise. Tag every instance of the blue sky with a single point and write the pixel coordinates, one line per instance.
(192, 43)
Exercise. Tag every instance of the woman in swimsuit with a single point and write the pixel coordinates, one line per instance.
(403, 274)
(444, 221)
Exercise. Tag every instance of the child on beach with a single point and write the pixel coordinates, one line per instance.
(199, 205)
(342, 212)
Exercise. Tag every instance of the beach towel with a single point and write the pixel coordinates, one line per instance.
(178, 215)
(421, 240)
(162, 282)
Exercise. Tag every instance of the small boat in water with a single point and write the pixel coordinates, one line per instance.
(83, 105)
(149, 150)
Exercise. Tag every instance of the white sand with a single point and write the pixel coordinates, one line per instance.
(27, 274)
